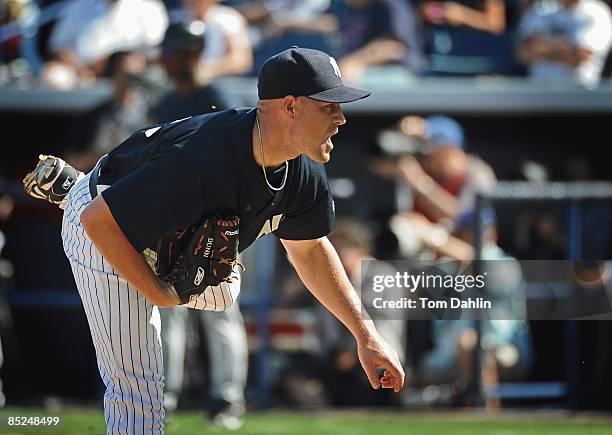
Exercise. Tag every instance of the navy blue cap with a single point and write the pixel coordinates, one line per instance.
(304, 72)
(185, 36)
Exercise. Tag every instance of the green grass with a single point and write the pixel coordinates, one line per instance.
(83, 422)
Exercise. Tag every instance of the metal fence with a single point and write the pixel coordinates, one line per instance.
(573, 195)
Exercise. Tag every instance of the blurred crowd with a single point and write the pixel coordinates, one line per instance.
(430, 159)
(164, 60)
(70, 43)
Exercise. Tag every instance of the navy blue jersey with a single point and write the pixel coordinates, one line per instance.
(170, 176)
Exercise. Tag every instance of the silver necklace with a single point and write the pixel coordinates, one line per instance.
(263, 163)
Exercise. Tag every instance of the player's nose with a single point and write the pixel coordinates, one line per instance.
(339, 118)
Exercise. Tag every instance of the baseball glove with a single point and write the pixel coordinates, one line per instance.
(201, 256)
(51, 180)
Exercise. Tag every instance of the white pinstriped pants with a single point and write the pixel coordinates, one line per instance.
(124, 326)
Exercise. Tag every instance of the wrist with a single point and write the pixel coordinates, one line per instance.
(171, 295)
(367, 333)
(423, 185)
(163, 295)
(167, 301)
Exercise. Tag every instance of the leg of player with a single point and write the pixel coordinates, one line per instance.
(228, 354)
(174, 339)
(124, 326)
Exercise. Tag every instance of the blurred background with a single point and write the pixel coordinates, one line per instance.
(509, 100)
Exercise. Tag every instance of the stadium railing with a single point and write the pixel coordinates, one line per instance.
(574, 195)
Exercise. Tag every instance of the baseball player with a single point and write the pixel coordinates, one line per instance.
(207, 180)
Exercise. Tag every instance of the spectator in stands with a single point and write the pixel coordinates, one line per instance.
(181, 57)
(90, 31)
(227, 50)
(470, 37)
(278, 24)
(505, 340)
(377, 33)
(444, 183)
(484, 15)
(568, 41)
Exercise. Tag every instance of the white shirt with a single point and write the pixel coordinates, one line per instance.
(587, 25)
(480, 179)
(127, 25)
(94, 29)
(223, 23)
(73, 21)
(285, 10)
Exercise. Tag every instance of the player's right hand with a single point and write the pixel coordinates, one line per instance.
(375, 353)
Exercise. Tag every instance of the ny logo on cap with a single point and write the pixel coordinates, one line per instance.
(335, 66)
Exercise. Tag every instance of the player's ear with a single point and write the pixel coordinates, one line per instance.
(289, 105)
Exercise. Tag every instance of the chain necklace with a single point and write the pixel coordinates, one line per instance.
(263, 164)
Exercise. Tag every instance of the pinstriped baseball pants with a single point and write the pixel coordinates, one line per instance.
(124, 326)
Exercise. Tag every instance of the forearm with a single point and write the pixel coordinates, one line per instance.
(436, 201)
(491, 19)
(559, 50)
(377, 52)
(322, 273)
(524, 53)
(319, 267)
(481, 21)
(253, 11)
(110, 241)
(325, 23)
(438, 239)
(230, 64)
(569, 55)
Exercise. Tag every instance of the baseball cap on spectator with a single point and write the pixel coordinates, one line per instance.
(442, 130)
(184, 36)
(304, 72)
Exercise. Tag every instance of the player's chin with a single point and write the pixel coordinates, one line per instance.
(324, 158)
(325, 151)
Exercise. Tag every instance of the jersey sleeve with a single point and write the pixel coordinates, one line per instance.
(311, 213)
(163, 194)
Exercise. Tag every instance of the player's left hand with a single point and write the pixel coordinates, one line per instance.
(375, 354)
(51, 180)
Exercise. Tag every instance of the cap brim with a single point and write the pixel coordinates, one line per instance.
(340, 94)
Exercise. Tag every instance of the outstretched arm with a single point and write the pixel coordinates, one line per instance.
(108, 238)
(536, 48)
(319, 267)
